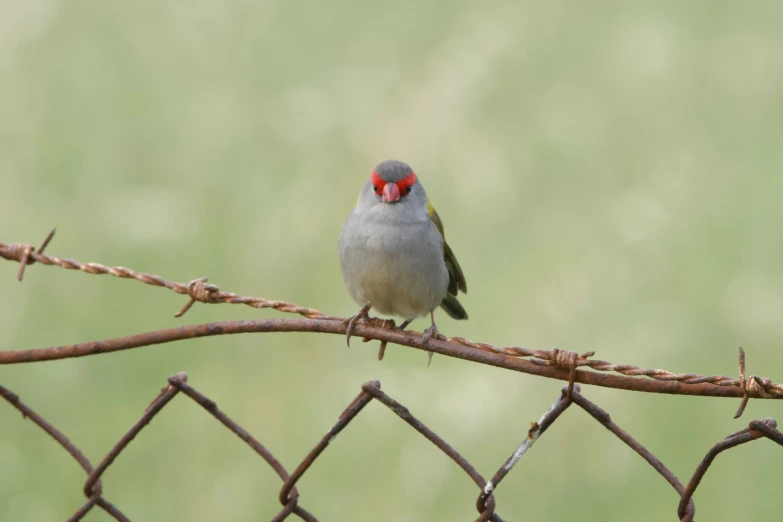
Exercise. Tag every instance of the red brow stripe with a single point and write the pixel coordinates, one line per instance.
(403, 184)
(376, 180)
(406, 182)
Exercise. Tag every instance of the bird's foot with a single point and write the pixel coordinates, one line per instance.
(430, 332)
(350, 323)
(382, 348)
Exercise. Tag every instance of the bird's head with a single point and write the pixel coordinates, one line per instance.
(393, 184)
(392, 181)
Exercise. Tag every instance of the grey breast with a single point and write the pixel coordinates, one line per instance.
(393, 261)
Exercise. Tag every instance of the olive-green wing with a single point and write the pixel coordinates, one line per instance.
(456, 277)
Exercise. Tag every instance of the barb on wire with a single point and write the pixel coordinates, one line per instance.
(555, 363)
(753, 386)
(403, 338)
(25, 253)
(199, 290)
(743, 385)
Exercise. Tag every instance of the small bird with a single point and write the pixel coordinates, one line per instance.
(393, 253)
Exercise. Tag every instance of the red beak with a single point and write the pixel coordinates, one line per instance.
(391, 193)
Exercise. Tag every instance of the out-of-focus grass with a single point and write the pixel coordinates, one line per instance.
(609, 176)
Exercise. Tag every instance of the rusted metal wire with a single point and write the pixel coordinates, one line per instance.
(536, 430)
(374, 389)
(92, 488)
(754, 431)
(606, 420)
(289, 496)
(404, 338)
(555, 363)
(559, 364)
(197, 290)
(94, 498)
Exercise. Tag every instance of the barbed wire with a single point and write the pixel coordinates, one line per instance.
(554, 363)
(558, 364)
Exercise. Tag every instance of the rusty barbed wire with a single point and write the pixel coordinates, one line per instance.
(197, 290)
(289, 496)
(383, 330)
(554, 363)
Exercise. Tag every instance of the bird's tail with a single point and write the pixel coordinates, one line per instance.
(453, 308)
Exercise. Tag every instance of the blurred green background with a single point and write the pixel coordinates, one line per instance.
(609, 175)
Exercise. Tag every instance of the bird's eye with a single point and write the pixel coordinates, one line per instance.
(375, 188)
(409, 190)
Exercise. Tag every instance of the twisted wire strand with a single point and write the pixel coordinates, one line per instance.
(199, 290)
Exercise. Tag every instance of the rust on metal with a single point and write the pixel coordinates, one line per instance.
(606, 420)
(555, 364)
(547, 363)
(754, 431)
(289, 496)
(714, 386)
(536, 430)
(95, 498)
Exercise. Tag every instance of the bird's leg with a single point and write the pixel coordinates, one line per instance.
(382, 349)
(430, 332)
(351, 322)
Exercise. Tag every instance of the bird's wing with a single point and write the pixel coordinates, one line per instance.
(456, 277)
